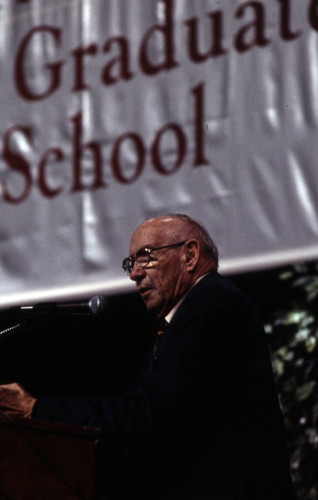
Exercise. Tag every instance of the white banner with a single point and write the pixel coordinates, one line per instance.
(113, 111)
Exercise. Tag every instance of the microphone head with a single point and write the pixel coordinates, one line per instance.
(98, 304)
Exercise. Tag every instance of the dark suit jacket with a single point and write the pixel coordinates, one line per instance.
(203, 420)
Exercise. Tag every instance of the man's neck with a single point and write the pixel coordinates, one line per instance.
(171, 313)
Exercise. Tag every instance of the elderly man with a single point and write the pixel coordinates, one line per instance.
(203, 421)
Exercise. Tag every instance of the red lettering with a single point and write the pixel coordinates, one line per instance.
(285, 21)
(199, 156)
(17, 163)
(313, 14)
(20, 76)
(122, 62)
(167, 32)
(46, 190)
(181, 144)
(216, 48)
(78, 149)
(258, 26)
(116, 162)
(79, 53)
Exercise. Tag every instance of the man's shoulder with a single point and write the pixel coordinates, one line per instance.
(215, 283)
(215, 292)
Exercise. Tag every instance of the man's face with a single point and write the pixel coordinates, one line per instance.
(164, 281)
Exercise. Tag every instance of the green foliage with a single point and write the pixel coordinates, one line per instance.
(292, 329)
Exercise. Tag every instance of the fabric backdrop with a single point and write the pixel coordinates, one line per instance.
(113, 111)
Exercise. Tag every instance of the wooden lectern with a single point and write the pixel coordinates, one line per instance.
(46, 461)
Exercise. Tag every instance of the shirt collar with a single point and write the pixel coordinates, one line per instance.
(170, 314)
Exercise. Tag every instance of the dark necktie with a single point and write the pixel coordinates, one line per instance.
(160, 332)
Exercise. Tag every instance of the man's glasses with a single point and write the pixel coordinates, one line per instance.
(143, 257)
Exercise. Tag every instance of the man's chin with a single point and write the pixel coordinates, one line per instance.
(153, 306)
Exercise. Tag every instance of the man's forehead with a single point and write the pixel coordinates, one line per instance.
(146, 235)
(152, 232)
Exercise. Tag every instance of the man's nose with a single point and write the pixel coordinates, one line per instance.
(137, 272)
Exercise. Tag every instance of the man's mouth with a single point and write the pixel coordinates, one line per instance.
(144, 291)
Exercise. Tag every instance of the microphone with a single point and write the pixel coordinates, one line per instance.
(96, 305)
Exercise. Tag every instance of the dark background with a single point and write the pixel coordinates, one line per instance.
(86, 355)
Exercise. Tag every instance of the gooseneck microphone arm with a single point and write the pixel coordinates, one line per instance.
(96, 305)
(18, 318)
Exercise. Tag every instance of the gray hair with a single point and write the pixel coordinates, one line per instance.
(198, 231)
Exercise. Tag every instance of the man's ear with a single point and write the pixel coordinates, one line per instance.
(191, 254)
